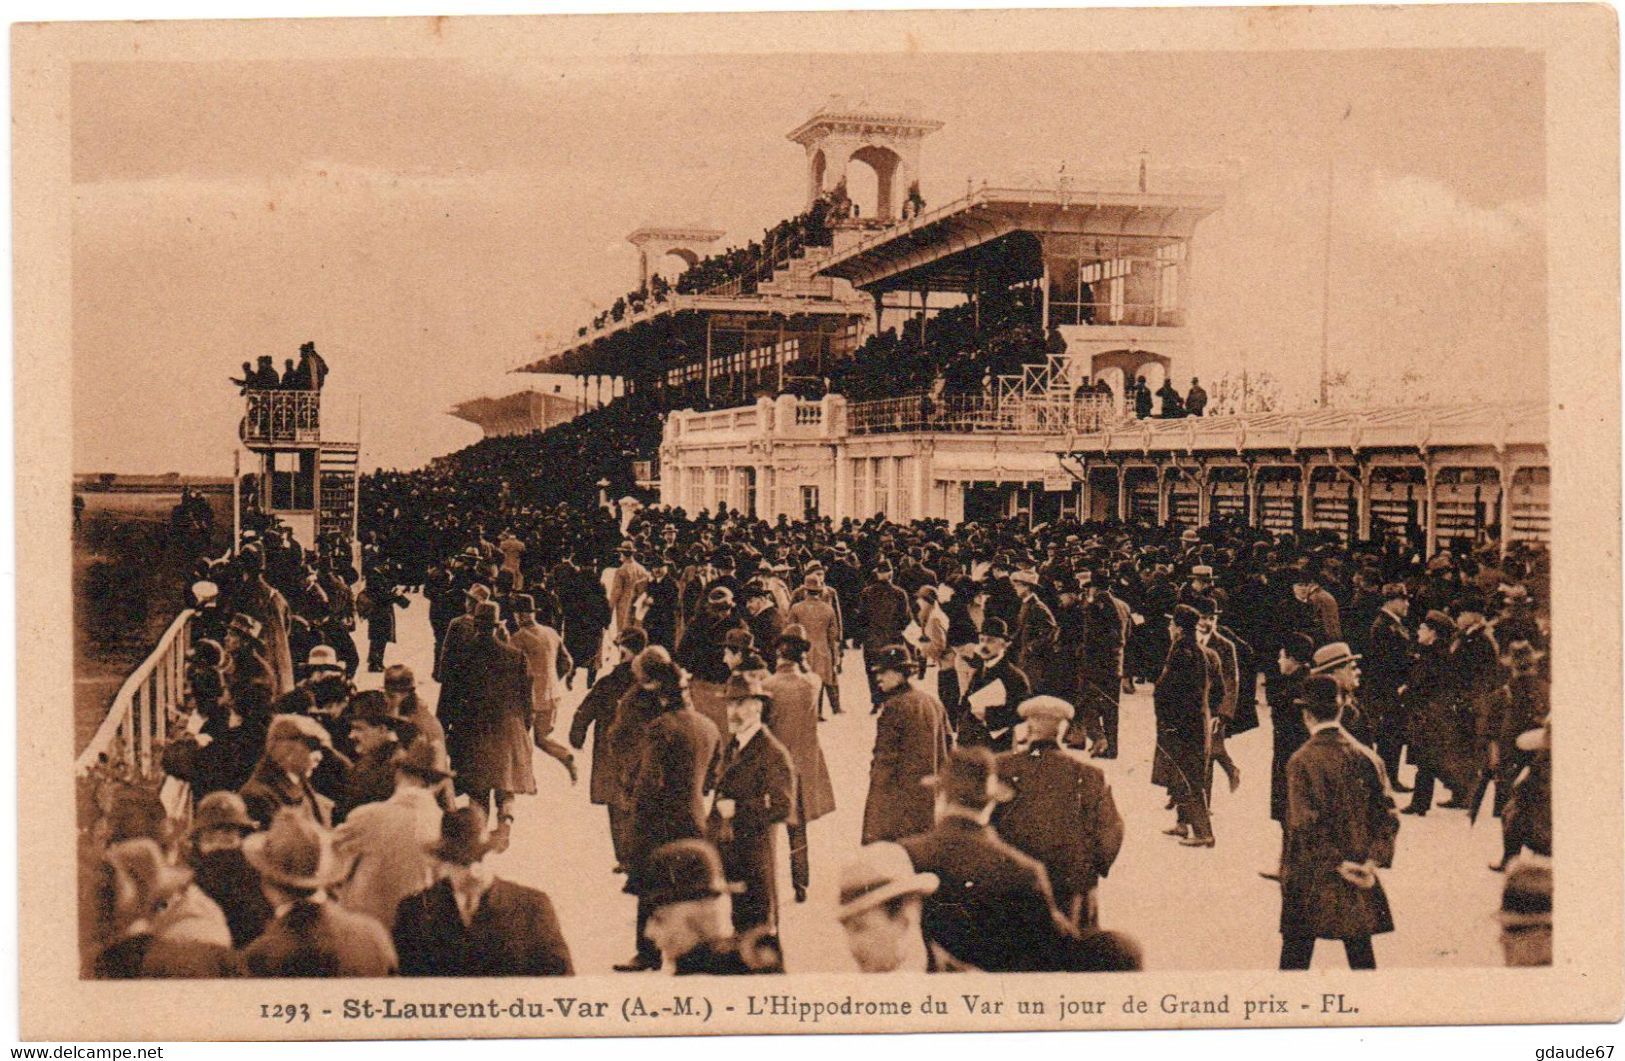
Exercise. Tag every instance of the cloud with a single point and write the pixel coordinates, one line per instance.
(1418, 210)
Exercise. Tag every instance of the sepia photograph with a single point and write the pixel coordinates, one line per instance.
(1024, 495)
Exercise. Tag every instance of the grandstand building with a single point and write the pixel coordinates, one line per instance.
(775, 405)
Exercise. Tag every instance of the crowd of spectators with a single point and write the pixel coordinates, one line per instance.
(964, 347)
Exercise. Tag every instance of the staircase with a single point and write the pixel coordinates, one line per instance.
(796, 277)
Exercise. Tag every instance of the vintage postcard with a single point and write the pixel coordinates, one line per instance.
(1118, 506)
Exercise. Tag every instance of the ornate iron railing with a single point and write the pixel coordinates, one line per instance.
(281, 416)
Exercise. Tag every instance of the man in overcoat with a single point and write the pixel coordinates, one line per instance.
(681, 750)
(1035, 633)
(1340, 829)
(1181, 704)
(911, 744)
(755, 790)
(1060, 812)
(473, 923)
(489, 737)
(1388, 651)
(596, 713)
(883, 613)
(993, 909)
(814, 609)
(988, 713)
(793, 718)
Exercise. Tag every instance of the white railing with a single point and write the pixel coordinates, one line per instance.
(809, 414)
(982, 413)
(138, 722)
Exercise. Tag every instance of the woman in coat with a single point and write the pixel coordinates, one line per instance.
(793, 718)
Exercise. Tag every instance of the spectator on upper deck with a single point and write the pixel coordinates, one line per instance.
(1196, 399)
(1173, 406)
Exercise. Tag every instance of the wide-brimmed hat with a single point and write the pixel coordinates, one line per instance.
(144, 877)
(969, 778)
(463, 840)
(222, 810)
(892, 657)
(742, 685)
(1052, 707)
(245, 626)
(204, 591)
(877, 874)
(1202, 571)
(1025, 578)
(323, 658)
(1331, 656)
(398, 678)
(684, 871)
(794, 635)
(294, 852)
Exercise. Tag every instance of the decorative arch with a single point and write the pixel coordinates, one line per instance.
(885, 163)
(817, 167)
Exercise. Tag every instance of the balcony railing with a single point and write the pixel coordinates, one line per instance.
(274, 416)
(982, 413)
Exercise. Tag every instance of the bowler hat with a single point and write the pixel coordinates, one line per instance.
(294, 852)
(742, 685)
(372, 707)
(522, 604)
(739, 639)
(995, 626)
(968, 778)
(463, 840)
(399, 679)
(894, 658)
(487, 613)
(876, 875)
(633, 639)
(684, 871)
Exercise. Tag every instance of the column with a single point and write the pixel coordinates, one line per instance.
(1162, 495)
(841, 503)
(1252, 495)
(1306, 479)
(1044, 291)
(1362, 502)
(1504, 504)
(1122, 493)
(1429, 525)
(1203, 502)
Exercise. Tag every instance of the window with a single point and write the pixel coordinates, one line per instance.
(862, 499)
(904, 509)
(882, 471)
(809, 502)
(293, 481)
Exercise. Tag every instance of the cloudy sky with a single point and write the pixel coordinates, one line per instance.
(432, 223)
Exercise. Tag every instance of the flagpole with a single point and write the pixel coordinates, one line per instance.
(1326, 284)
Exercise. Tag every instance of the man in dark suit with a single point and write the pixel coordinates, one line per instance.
(1100, 669)
(993, 909)
(1387, 664)
(883, 614)
(911, 743)
(755, 790)
(1061, 811)
(1181, 704)
(1035, 631)
(680, 757)
(988, 717)
(219, 868)
(1340, 828)
(470, 923)
(597, 713)
(488, 737)
(960, 669)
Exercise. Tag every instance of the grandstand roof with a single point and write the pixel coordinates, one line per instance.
(946, 248)
(518, 412)
(619, 345)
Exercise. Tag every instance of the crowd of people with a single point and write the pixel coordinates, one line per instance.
(310, 374)
(343, 832)
(963, 349)
(747, 266)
